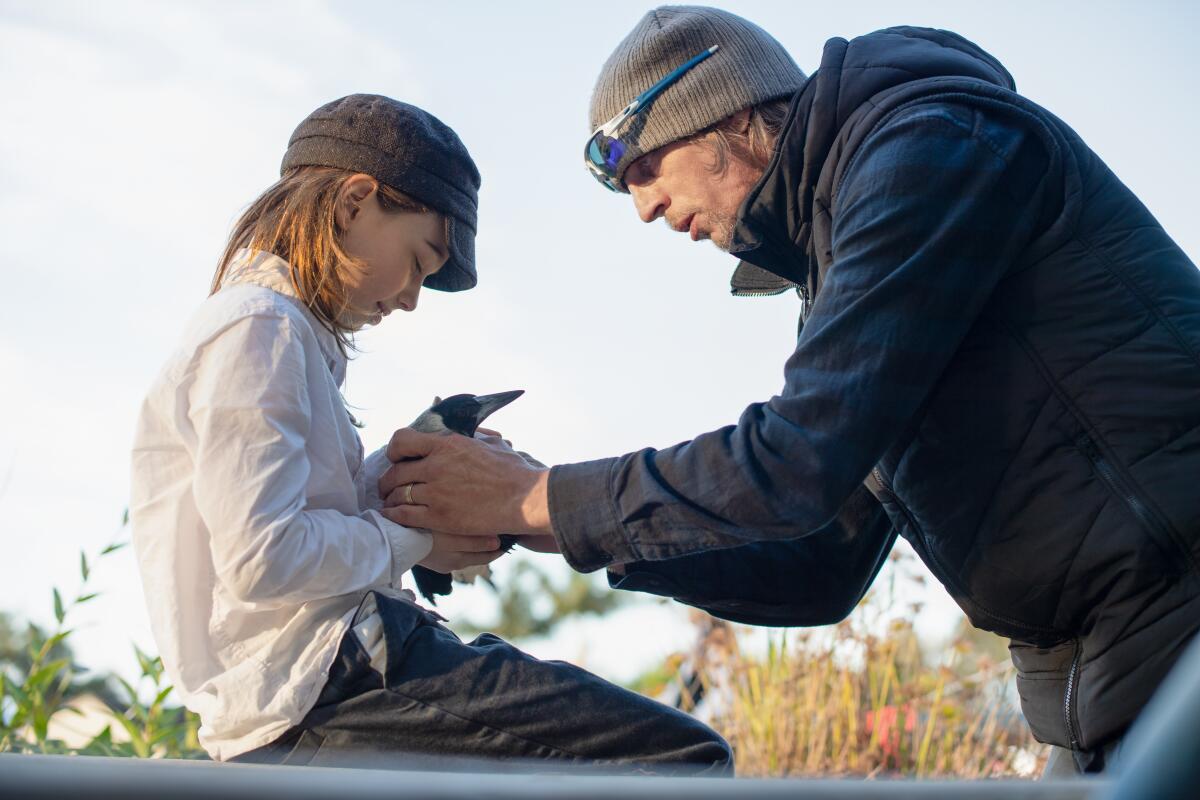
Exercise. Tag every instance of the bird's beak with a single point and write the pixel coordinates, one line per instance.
(489, 403)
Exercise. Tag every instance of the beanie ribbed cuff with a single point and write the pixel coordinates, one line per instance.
(750, 68)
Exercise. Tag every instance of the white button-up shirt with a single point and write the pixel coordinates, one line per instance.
(255, 518)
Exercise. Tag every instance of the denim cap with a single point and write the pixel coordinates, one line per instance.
(751, 67)
(411, 151)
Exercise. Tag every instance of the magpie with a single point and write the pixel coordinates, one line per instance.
(461, 414)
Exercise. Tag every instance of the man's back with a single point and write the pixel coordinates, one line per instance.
(1047, 475)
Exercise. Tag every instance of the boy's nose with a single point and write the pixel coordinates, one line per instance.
(407, 301)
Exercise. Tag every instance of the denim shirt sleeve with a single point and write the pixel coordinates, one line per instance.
(936, 205)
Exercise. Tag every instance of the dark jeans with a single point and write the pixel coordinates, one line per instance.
(438, 700)
(1065, 765)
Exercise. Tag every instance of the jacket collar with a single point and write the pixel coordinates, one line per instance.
(773, 234)
(269, 271)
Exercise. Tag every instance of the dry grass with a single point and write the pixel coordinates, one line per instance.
(862, 699)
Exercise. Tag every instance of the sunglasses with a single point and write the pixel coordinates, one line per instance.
(604, 150)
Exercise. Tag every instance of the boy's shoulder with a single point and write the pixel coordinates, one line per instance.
(235, 303)
(224, 310)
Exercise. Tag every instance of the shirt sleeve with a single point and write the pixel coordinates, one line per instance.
(937, 205)
(249, 407)
(372, 470)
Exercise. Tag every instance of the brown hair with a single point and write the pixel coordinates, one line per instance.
(756, 144)
(294, 219)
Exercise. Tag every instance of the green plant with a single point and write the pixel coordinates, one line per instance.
(154, 729)
(531, 604)
(41, 681)
(30, 698)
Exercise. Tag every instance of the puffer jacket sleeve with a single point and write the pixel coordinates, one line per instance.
(815, 580)
(937, 204)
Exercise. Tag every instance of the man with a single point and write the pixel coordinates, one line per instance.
(999, 360)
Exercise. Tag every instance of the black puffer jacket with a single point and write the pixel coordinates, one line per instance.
(1006, 345)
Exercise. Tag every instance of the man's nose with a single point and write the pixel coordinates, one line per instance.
(651, 202)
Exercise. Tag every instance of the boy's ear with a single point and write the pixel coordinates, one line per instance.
(355, 190)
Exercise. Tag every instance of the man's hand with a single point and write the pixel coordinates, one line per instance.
(464, 486)
(539, 543)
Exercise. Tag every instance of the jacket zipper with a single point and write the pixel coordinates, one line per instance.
(1069, 698)
(758, 293)
(1122, 489)
(943, 574)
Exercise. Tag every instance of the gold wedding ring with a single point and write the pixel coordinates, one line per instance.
(408, 501)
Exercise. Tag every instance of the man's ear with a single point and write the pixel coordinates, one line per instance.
(355, 190)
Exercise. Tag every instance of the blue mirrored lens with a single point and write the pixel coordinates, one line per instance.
(605, 153)
(595, 153)
(615, 151)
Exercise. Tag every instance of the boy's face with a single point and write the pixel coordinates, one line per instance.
(678, 183)
(397, 250)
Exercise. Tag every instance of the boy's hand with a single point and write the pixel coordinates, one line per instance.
(451, 552)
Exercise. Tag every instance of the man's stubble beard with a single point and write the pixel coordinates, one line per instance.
(722, 232)
(723, 225)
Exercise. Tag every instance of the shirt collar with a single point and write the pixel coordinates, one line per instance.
(269, 271)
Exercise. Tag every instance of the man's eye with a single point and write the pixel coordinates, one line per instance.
(640, 171)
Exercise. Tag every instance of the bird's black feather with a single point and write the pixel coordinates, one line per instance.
(461, 414)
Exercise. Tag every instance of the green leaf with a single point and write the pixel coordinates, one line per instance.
(100, 745)
(144, 661)
(83, 598)
(18, 691)
(166, 732)
(53, 641)
(112, 548)
(41, 724)
(136, 739)
(59, 613)
(162, 696)
(103, 737)
(83, 565)
(125, 518)
(47, 673)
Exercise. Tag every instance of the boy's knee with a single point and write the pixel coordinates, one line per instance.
(720, 758)
(708, 752)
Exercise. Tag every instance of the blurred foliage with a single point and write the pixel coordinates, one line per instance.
(858, 699)
(40, 680)
(532, 604)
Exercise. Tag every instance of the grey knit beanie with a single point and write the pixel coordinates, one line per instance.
(750, 67)
(410, 150)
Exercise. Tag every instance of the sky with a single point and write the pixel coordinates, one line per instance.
(133, 133)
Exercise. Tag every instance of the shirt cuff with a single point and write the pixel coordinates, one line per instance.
(372, 470)
(408, 545)
(583, 515)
